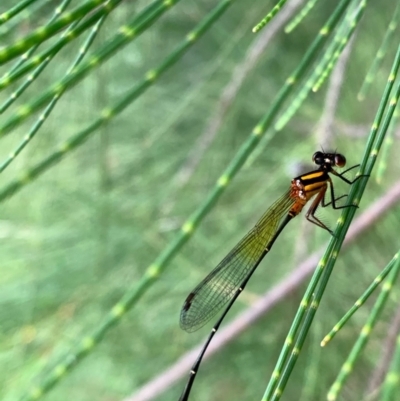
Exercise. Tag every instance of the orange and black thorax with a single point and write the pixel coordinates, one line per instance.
(305, 186)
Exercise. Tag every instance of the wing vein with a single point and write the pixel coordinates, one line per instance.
(218, 288)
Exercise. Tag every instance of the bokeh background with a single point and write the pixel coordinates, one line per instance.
(81, 235)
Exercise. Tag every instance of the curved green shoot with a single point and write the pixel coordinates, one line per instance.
(277, 7)
(360, 301)
(365, 332)
(369, 78)
(300, 16)
(351, 26)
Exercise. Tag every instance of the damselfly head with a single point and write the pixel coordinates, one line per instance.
(332, 159)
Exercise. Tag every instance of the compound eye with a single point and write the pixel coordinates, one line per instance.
(318, 158)
(340, 160)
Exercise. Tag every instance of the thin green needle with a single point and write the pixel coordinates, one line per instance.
(360, 301)
(269, 16)
(365, 332)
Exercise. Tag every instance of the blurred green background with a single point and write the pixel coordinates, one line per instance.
(77, 238)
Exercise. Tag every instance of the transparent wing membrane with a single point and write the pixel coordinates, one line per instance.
(218, 288)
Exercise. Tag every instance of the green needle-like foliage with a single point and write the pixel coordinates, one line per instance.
(377, 281)
(391, 386)
(365, 334)
(104, 107)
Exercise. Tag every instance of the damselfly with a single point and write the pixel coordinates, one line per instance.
(224, 284)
